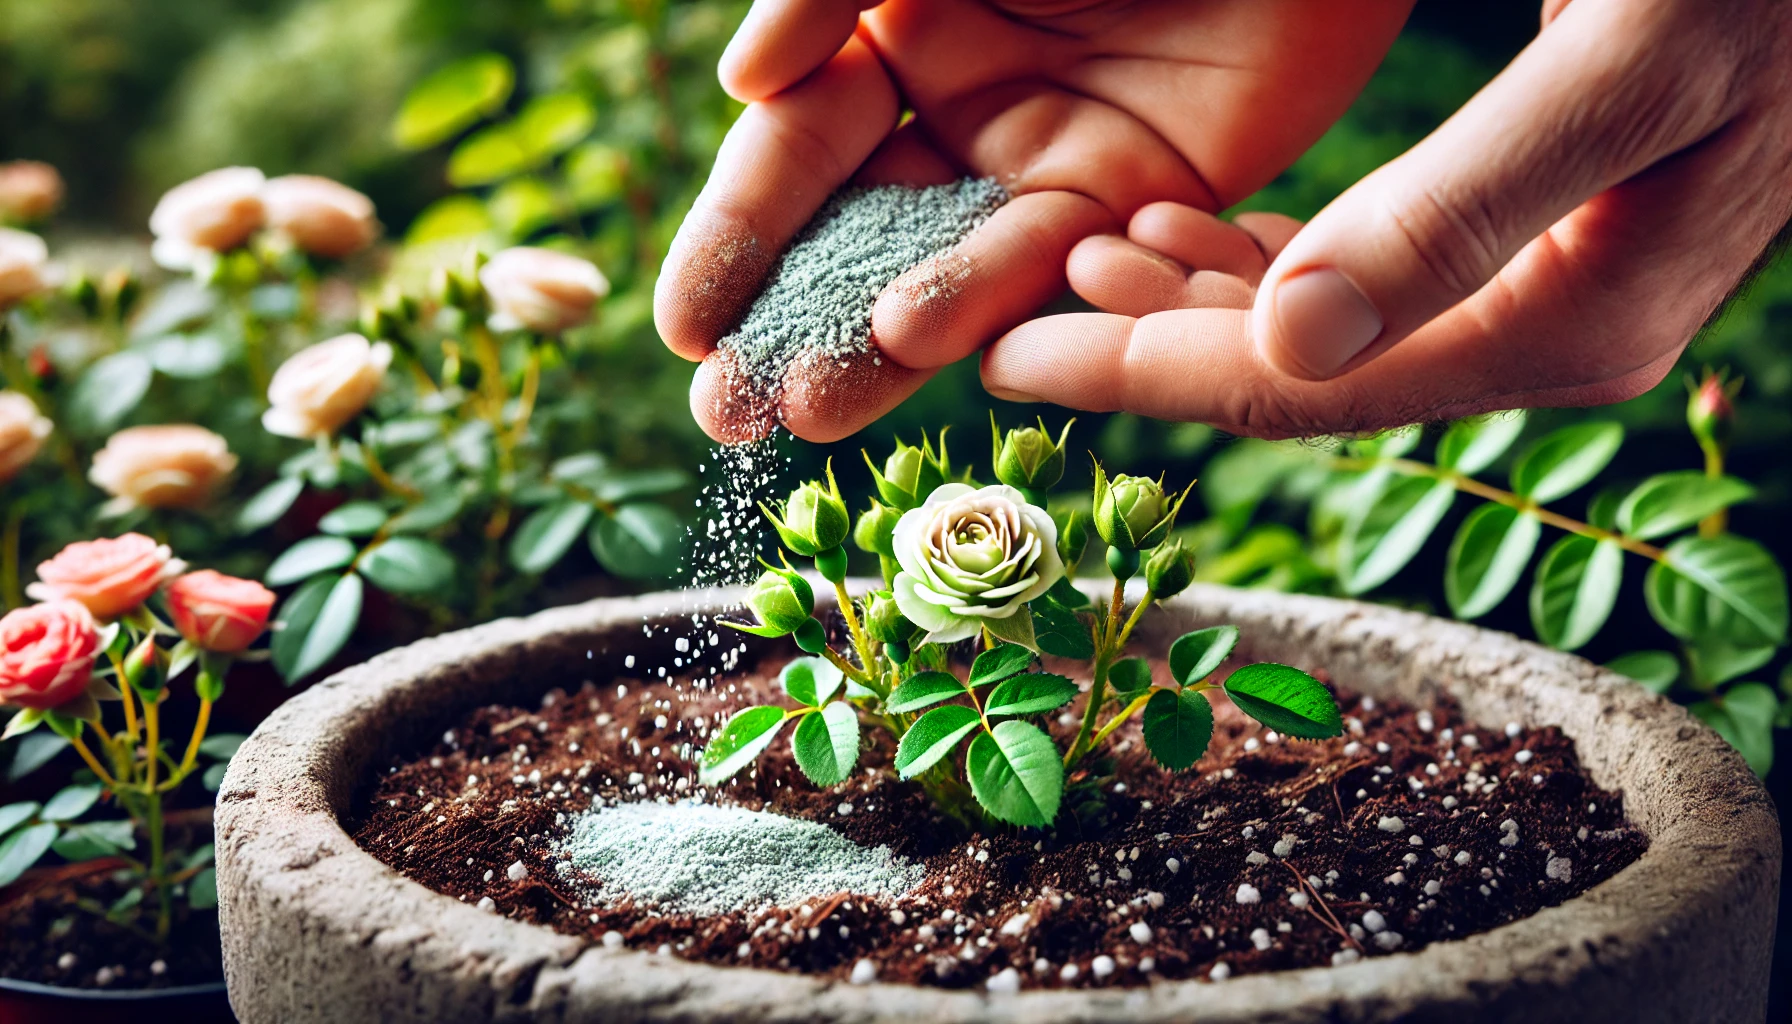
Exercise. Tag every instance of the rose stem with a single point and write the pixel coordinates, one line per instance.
(1098, 685)
(199, 726)
(93, 763)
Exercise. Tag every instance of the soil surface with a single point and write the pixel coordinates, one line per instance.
(1269, 854)
(57, 934)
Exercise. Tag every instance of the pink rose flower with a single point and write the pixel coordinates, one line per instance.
(30, 190)
(322, 217)
(215, 212)
(219, 613)
(167, 466)
(46, 654)
(24, 269)
(22, 433)
(540, 289)
(109, 576)
(318, 390)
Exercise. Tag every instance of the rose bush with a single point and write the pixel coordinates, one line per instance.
(174, 465)
(317, 391)
(540, 289)
(971, 559)
(46, 654)
(109, 577)
(219, 613)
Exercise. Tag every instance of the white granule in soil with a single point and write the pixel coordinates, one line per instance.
(707, 860)
(817, 301)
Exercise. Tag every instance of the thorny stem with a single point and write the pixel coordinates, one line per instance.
(860, 641)
(1104, 656)
(839, 661)
(377, 471)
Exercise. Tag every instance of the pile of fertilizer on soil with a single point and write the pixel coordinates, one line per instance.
(817, 300)
(705, 860)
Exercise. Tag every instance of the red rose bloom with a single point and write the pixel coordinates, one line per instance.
(219, 613)
(46, 654)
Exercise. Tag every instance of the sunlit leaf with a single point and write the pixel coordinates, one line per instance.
(1016, 774)
(1669, 502)
(932, 737)
(747, 734)
(1471, 445)
(1722, 588)
(1386, 535)
(826, 744)
(1487, 558)
(1574, 590)
(548, 533)
(924, 690)
(1177, 727)
(997, 664)
(1656, 671)
(1029, 694)
(811, 681)
(451, 98)
(309, 557)
(1561, 462)
(1194, 656)
(641, 541)
(1286, 699)
(409, 565)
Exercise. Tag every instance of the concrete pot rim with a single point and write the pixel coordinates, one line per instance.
(1712, 832)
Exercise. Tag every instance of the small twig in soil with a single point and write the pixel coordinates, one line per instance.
(829, 907)
(1330, 920)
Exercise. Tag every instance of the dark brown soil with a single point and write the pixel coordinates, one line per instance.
(1268, 855)
(57, 934)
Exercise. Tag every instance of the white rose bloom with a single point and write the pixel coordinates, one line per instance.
(322, 217)
(169, 466)
(214, 212)
(23, 266)
(22, 433)
(323, 387)
(540, 289)
(972, 558)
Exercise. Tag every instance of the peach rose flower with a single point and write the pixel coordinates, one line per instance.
(109, 576)
(214, 212)
(30, 190)
(24, 266)
(540, 289)
(46, 654)
(322, 217)
(170, 466)
(22, 433)
(315, 392)
(219, 613)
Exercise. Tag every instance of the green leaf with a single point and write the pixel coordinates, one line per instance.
(645, 483)
(554, 123)
(1656, 671)
(221, 745)
(1602, 511)
(109, 389)
(489, 155)
(1066, 594)
(827, 744)
(1744, 717)
(1378, 542)
(32, 753)
(1575, 589)
(997, 664)
(1059, 631)
(745, 736)
(324, 636)
(1487, 558)
(71, 802)
(201, 855)
(1194, 656)
(1016, 774)
(451, 98)
(1712, 662)
(94, 839)
(1669, 502)
(14, 815)
(523, 205)
(269, 504)
(1561, 462)
(355, 519)
(1471, 445)
(811, 681)
(214, 776)
(1177, 727)
(1389, 444)
(429, 514)
(1015, 629)
(924, 690)
(1030, 694)
(1130, 675)
(292, 623)
(639, 542)
(1724, 588)
(596, 174)
(23, 848)
(1287, 700)
(187, 356)
(932, 737)
(202, 890)
(449, 219)
(548, 533)
(409, 565)
(309, 557)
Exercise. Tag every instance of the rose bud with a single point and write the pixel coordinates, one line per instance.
(23, 266)
(109, 576)
(215, 212)
(1711, 410)
(30, 190)
(885, 623)
(1132, 512)
(1027, 458)
(1073, 538)
(910, 474)
(971, 559)
(781, 599)
(875, 532)
(1170, 570)
(22, 433)
(323, 387)
(541, 290)
(814, 518)
(46, 654)
(219, 613)
(322, 217)
(170, 466)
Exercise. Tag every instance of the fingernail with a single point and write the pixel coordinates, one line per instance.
(1012, 396)
(1323, 321)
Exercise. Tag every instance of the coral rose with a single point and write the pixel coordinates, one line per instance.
(46, 654)
(23, 266)
(315, 392)
(30, 190)
(109, 576)
(22, 433)
(540, 289)
(322, 217)
(216, 211)
(219, 613)
(972, 558)
(171, 466)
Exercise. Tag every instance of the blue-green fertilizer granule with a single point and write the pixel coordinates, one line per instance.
(817, 300)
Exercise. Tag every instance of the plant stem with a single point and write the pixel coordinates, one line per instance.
(377, 471)
(14, 592)
(1125, 713)
(199, 726)
(860, 641)
(1717, 522)
(152, 735)
(93, 763)
(839, 661)
(1104, 653)
(158, 866)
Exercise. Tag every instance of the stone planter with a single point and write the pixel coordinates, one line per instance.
(315, 930)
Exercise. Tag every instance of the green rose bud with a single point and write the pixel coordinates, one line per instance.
(875, 532)
(1027, 458)
(910, 474)
(885, 622)
(1134, 513)
(1170, 570)
(81, 290)
(1711, 411)
(122, 290)
(814, 518)
(1073, 538)
(782, 600)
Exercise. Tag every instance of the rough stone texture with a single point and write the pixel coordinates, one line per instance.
(315, 930)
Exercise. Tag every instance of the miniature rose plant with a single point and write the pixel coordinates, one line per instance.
(990, 564)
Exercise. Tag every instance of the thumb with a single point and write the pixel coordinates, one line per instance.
(1603, 92)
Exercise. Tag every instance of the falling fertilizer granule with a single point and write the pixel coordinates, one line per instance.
(818, 298)
(702, 859)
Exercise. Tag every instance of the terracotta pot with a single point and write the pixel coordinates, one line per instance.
(316, 930)
(25, 1002)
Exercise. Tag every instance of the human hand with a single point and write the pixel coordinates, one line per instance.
(1086, 110)
(1555, 243)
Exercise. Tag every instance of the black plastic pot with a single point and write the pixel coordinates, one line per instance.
(27, 1002)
